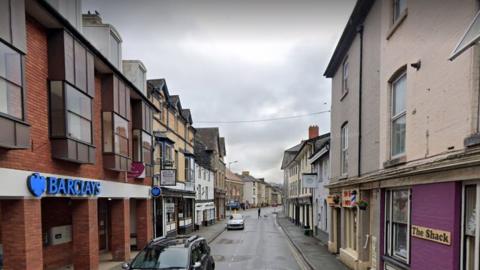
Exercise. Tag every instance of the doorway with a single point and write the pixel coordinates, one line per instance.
(102, 224)
(158, 217)
(338, 229)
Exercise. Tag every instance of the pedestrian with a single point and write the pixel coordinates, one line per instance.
(259, 212)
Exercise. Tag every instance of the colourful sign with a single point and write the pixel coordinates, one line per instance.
(137, 170)
(439, 236)
(349, 198)
(38, 185)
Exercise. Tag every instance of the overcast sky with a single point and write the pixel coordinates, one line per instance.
(235, 60)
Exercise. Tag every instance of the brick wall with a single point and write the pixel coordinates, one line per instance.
(39, 157)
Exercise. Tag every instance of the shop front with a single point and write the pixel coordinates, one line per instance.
(204, 213)
(423, 229)
(63, 220)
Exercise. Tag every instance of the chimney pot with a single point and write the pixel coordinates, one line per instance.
(313, 131)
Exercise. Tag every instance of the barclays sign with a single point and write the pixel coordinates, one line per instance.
(38, 185)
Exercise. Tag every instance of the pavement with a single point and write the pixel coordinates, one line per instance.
(313, 251)
(261, 245)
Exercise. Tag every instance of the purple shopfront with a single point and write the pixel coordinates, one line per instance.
(422, 227)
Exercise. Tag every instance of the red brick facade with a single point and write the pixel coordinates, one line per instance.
(25, 222)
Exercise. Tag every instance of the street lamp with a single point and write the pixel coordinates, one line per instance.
(231, 162)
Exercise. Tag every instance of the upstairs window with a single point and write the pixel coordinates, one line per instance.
(345, 74)
(399, 7)
(79, 114)
(11, 82)
(344, 149)
(398, 116)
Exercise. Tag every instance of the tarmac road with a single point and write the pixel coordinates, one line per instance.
(262, 245)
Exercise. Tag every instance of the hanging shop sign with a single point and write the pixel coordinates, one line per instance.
(137, 170)
(38, 185)
(438, 236)
(170, 207)
(333, 200)
(309, 180)
(167, 178)
(349, 198)
(156, 191)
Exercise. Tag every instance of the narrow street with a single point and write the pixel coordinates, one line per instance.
(262, 245)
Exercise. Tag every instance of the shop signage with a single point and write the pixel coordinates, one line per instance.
(309, 180)
(137, 170)
(155, 191)
(167, 178)
(333, 200)
(38, 185)
(439, 236)
(349, 198)
(170, 207)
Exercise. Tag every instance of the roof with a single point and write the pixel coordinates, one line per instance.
(223, 150)
(178, 241)
(359, 13)
(320, 139)
(210, 137)
(289, 154)
(231, 176)
(187, 115)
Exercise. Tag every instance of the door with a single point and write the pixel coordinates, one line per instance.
(158, 217)
(102, 224)
(339, 228)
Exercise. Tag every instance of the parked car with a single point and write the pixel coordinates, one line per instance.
(181, 252)
(233, 205)
(236, 221)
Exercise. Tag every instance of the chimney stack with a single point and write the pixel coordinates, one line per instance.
(313, 131)
(245, 173)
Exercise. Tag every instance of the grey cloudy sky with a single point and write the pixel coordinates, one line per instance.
(238, 60)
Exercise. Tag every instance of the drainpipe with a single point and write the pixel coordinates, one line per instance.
(360, 85)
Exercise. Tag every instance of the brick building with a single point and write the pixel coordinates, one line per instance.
(65, 179)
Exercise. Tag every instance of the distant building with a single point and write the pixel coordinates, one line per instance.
(205, 212)
(234, 187)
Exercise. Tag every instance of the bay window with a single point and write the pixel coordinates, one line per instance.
(398, 116)
(142, 145)
(14, 133)
(397, 224)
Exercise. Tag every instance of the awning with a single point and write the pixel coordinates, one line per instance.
(471, 36)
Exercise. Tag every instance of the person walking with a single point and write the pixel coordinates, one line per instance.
(259, 212)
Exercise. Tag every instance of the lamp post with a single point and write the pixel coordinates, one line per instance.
(231, 162)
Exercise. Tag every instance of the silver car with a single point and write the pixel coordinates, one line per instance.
(236, 221)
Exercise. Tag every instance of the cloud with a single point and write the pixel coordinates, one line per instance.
(238, 60)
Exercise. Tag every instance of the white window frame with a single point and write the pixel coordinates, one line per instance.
(344, 149)
(351, 237)
(388, 241)
(395, 16)
(399, 115)
(477, 229)
(345, 75)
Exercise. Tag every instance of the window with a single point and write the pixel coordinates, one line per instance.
(397, 224)
(142, 144)
(345, 73)
(11, 82)
(471, 227)
(399, 7)
(344, 149)
(398, 116)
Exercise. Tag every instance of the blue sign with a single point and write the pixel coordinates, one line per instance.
(39, 184)
(155, 191)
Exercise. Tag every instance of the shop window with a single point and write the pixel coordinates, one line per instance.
(351, 221)
(471, 227)
(14, 132)
(71, 123)
(397, 224)
(398, 116)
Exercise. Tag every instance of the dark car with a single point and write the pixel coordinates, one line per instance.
(233, 205)
(186, 253)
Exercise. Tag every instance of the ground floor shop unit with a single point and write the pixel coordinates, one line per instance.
(52, 221)
(174, 212)
(205, 213)
(426, 221)
(300, 212)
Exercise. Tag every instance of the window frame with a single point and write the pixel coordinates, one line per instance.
(22, 87)
(345, 76)
(402, 114)
(477, 230)
(388, 232)
(344, 149)
(397, 16)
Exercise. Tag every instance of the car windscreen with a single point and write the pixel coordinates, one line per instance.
(161, 257)
(236, 217)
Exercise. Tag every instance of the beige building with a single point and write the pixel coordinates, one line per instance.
(173, 156)
(405, 137)
(234, 187)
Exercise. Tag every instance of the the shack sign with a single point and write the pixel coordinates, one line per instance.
(439, 236)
